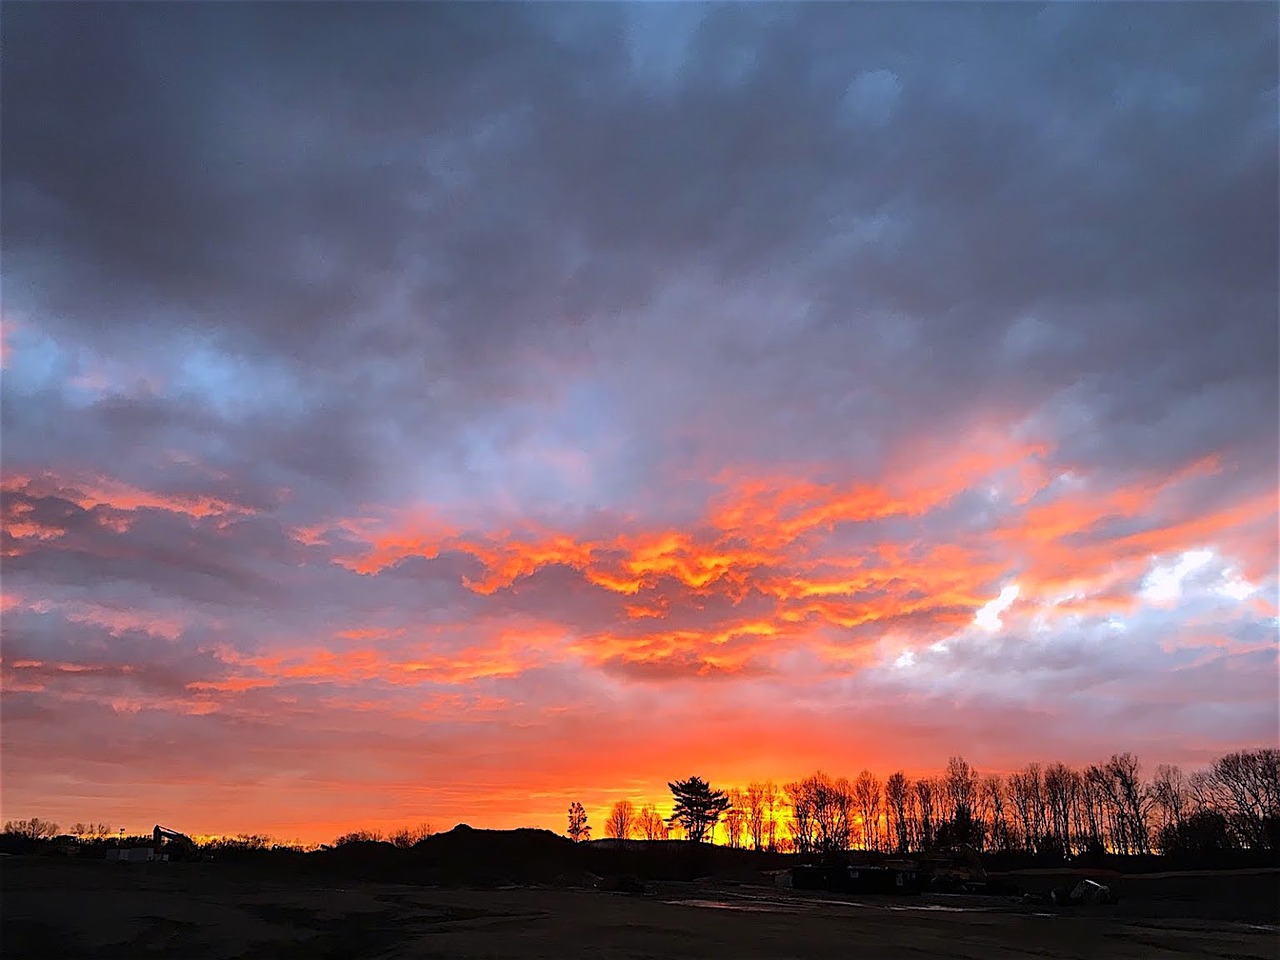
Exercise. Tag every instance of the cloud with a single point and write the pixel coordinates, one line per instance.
(476, 389)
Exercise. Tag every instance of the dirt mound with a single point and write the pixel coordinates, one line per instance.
(462, 857)
(469, 857)
(677, 860)
(466, 857)
(361, 859)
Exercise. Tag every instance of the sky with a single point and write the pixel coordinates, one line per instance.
(450, 412)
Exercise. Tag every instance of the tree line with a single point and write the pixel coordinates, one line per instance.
(1051, 809)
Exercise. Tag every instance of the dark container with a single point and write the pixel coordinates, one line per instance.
(856, 879)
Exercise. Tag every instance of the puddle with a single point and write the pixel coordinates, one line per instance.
(791, 906)
(758, 907)
(929, 907)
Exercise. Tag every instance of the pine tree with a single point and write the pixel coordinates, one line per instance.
(697, 807)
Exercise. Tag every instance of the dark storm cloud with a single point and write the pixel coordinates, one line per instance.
(260, 167)
(272, 172)
(1064, 211)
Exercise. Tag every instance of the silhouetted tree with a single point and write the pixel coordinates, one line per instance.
(866, 792)
(1245, 787)
(823, 810)
(1170, 799)
(579, 830)
(1203, 835)
(257, 841)
(1026, 793)
(34, 829)
(621, 822)
(803, 824)
(1054, 810)
(1130, 801)
(959, 786)
(1093, 801)
(359, 836)
(697, 806)
(771, 797)
(1061, 789)
(735, 818)
(896, 793)
(651, 825)
(959, 790)
(407, 837)
(923, 792)
(960, 828)
(756, 814)
(995, 810)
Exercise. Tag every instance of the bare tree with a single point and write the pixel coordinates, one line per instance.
(1245, 787)
(1027, 796)
(896, 793)
(621, 822)
(579, 830)
(1131, 801)
(924, 791)
(360, 836)
(1061, 790)
(803, 823)
(772, 797)
(756, 814)
(867, 793)
(995, 811)
(1170, 798)
(651, 825)
(832, 805)
(258, 841)
(35, 828)
(1103, 807)
(960, 785)
(735, 818)
(407, 837)
(1094, 802)
(958, 794)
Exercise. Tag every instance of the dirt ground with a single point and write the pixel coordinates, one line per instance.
(200, 911)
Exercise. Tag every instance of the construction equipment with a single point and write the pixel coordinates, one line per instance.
(172, 845)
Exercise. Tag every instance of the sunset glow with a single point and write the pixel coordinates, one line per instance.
(450, 452)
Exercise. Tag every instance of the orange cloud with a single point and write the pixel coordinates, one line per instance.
(505, 654)
(118, 621)
(111, 503)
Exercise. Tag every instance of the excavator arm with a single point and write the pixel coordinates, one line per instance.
(162, 834)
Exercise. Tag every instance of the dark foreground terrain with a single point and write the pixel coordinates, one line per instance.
(81, 909)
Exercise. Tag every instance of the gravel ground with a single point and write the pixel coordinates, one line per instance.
(80, 909)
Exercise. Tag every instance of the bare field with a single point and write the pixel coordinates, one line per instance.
(80, 909)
